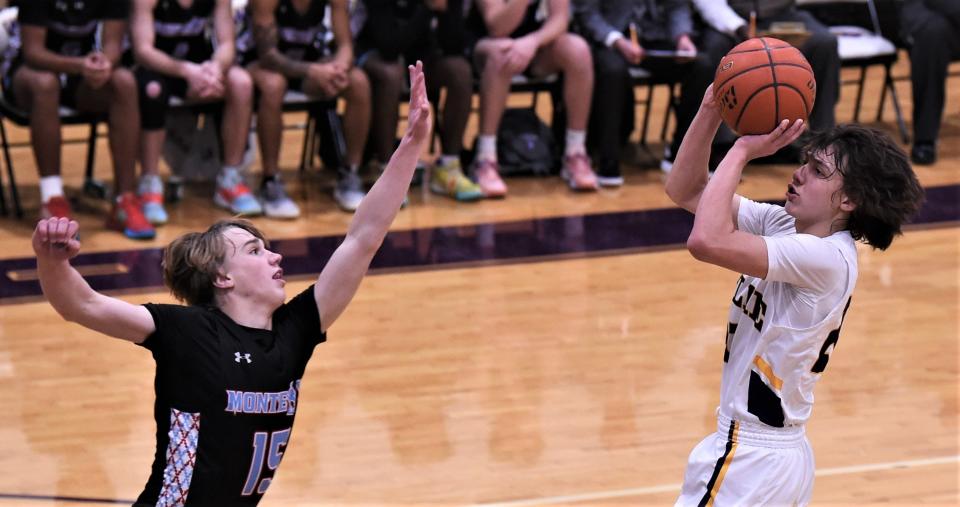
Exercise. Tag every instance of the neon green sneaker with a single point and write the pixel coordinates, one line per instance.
(448, 179)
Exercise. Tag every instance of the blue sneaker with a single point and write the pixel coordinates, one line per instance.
(233, 194)
(150, 192)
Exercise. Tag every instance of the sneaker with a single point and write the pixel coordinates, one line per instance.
(127, 217)
(448, 179)
(150, 193)
(577, 172)
(348, 191)
(487, 175)
(276, 202)
(666, 164)
(233, 194)
(57, 206)
(608, 173)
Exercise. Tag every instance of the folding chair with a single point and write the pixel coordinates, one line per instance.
(862, 47)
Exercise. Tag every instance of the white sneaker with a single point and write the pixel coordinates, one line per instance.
(276, 202)
(666, 164)
(348, 191)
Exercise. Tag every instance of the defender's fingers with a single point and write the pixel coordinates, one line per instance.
(72, 229)
(41, 231)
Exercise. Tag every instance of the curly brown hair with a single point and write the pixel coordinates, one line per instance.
(192, 262)
(877, 177)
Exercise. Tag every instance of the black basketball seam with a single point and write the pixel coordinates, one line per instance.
(806, 107)
(753, 50)
(746, 103)
(755, 67)
(776, 91)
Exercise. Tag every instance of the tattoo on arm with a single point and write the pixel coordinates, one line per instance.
(271, 58)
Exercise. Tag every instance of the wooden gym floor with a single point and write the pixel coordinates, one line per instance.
(547, 349)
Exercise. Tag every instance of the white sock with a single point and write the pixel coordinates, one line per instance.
(228, 168)
(487, 147)
(576, 140)
(50, 186)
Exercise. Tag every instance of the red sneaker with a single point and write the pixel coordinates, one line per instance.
(127, 217)
(57, 206)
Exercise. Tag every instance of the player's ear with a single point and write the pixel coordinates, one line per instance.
(847, 204)
(223, 281)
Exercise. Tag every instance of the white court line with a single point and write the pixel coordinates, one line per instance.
(665, 488)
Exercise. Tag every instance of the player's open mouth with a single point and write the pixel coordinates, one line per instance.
(791, 190)
(278, 275)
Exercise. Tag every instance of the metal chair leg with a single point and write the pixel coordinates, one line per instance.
(888, 83)
(856, 107)
(3, 193)
(92, 187)
(646, 114)
(14, 195)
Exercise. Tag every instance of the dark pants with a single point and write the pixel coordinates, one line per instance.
(820, 50)
(611, 117)
(935, 41)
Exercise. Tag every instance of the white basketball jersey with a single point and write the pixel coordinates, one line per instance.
(782, 329)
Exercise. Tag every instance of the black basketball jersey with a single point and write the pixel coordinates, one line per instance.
(71, 24)
(184, 33)
(300, 36)
(226, 400)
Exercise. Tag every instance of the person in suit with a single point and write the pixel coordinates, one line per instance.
(658, 25)
(931, 28)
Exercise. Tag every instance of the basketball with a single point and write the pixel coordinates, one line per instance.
(762, 82)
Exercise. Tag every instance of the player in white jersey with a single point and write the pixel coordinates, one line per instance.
(799, 265)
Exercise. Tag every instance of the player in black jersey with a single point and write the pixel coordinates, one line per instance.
(175, 56)
(60, 62)
(229, 365)
(289, 51)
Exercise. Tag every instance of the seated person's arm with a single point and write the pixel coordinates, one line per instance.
(556, 24)
(265, 34)
(225, 33)
(113, 31)
(502, 18)
(596, 28)
(340, 19)
(55, 243)
(721, 17)
(143, 35)
(37, 56)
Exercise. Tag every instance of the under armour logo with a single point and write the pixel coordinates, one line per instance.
(238, 356)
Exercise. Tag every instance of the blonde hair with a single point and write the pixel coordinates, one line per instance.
(192, 262)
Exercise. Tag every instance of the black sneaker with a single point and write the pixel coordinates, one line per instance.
(608, 173)
(923, 153)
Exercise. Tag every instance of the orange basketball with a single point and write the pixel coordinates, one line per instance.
(762, 82)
